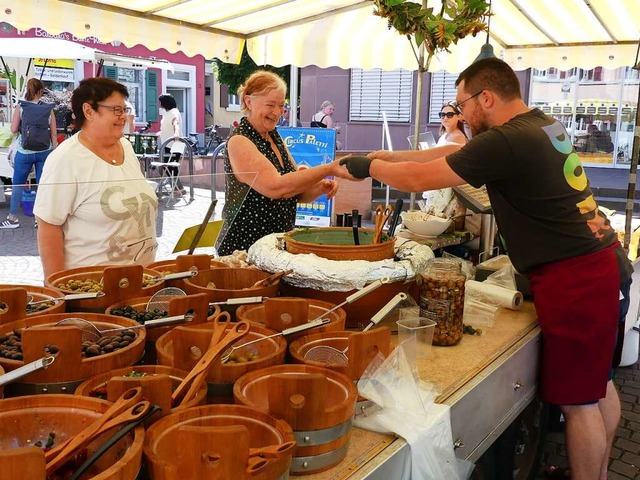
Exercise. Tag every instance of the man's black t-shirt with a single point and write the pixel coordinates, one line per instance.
(538, 189)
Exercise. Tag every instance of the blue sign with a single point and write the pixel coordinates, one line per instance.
(311, 147)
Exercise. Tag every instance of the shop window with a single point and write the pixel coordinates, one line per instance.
(375, 91)
(443, 90)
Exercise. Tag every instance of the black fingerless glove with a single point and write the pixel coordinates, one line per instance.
(358, 166)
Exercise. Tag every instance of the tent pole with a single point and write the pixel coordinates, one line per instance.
(635, 153)
(100, 64)
(43, 67)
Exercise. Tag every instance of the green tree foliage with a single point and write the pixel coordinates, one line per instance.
(234, 75)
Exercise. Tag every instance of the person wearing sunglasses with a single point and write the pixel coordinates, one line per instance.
(451, 127)
(94, 206)
(556, 235)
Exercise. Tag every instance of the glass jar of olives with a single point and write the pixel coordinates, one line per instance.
(442, 299)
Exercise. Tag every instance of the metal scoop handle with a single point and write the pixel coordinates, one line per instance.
(355, 296)
(241, 301)
(72, 296)
(31, 367)
(160, 322)
(384, 311)
(287, 331)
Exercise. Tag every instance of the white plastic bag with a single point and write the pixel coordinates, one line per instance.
(11, 152)
(407, 408)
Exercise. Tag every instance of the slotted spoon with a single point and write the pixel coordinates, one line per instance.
(160, 300)
(92, 333)
(329, 354)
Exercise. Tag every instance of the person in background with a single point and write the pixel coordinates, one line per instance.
(451, 126)
(130, 126)
(171, 128)
(579, 273)
(94, 206)
(322, 119)
(263, 183)
(24, 158)
(283, 121)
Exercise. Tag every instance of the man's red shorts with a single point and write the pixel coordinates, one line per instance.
(577, 302)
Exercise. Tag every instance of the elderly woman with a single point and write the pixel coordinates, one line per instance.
(94, 206)
(322, 119)
(260, 168)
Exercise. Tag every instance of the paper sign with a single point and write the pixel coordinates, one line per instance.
(208, 239)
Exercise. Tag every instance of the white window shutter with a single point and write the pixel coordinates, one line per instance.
(376, 91)
(443, 90)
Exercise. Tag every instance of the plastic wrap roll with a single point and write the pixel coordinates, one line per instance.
(494, 294)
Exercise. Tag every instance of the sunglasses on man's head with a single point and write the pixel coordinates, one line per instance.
(447, 114)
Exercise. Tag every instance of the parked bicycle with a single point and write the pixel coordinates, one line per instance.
(211, 140)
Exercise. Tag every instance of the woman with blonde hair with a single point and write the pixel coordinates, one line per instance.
(263, 183)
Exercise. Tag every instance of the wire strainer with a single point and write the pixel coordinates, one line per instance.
(327, 354)
(160, 300)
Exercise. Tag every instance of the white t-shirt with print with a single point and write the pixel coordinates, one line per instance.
(107, 212)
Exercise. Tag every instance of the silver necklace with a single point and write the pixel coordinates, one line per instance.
(113, 160)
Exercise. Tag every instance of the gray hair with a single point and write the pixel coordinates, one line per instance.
(325, 104)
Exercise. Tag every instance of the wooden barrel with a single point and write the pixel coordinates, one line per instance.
(70, 366)
(64, 415)
(185, 263)
(215, 443)
(359, 312)
(119, 283)
(1, 388)
(221, 376)
(221, 284)
(198, 304)
(318, 403)
(336, 243)
(14, 304)
(97, 386)
(285, 312)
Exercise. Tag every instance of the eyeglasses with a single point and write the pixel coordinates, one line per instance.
(459, 105)
(447, 114)
(116, 109)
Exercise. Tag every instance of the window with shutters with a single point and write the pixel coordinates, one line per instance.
(376, 91)
(443, 90)
(134, 80)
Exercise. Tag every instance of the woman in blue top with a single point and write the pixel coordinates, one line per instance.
(25, 159)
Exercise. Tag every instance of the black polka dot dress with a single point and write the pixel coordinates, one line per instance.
(249, 215)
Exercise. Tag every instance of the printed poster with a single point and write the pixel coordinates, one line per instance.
(311, 147)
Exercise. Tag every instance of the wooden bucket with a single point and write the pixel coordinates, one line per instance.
(222, 376)
(64, 415)
(1, 388)
(318, 403)
(362, 348)
(185, 263)
(215, 443)
(13, 302)
(337, 243)
(98, 386)
(70, 366)
(230, 283)
(359, 312)
(120, 282)
(198, 303)
(285, 312)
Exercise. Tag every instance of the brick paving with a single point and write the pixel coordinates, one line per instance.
(19, 263)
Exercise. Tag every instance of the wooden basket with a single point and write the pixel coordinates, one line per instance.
(14, 301)
(222, 376)
(69, 367)
(318, 403)
(336, 243)
(120, 282)
(185, 263)
(362, 348)
(65, 415)
(230, 283)
(96, 386)
(285, 312)
(214, 444)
